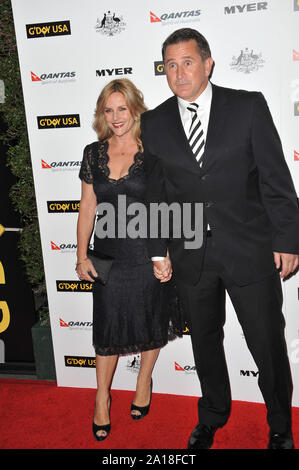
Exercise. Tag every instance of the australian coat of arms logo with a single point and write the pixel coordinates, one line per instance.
(247, 61)
(110, 24)
(133, 365)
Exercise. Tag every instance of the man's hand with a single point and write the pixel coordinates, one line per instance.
(286, 262)
(163, 269)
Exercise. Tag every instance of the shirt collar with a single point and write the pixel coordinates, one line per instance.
(203, 100)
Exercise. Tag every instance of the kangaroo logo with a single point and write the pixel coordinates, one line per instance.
(247, 61)
(110, 24)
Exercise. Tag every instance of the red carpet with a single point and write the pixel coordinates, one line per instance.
(40, 415)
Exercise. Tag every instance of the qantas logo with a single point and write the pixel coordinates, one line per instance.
(154, 18)
(63, 247)
(190, 14)
(75, 324)
(35, 78)
(69, 165)
(296, 156)
(188, 369)
(55, 77)
(62, 323)
(45, 164)
(54, 246)
(295, 55)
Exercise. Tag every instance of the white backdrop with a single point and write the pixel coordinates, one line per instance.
(66, 58)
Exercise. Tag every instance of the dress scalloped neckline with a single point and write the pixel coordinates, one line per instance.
(103, 155)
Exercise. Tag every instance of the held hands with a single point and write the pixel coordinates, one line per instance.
(286, 262)
(83, 268)
(163, 269)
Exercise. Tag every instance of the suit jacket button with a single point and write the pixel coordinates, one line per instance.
(204, 177)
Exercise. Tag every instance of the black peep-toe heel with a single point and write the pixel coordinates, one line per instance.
(143, 410)
(103, 427)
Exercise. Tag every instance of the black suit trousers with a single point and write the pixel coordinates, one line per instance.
(259, 310)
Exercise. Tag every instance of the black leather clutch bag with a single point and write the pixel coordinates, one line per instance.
(102, 264)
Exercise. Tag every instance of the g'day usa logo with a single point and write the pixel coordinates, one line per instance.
(175, 17)
(58, 207)
(58, 121)
(42, 30)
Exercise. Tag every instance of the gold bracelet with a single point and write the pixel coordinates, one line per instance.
(81, 262)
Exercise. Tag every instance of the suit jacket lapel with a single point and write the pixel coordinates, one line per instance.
(179, 137)
(216, 126)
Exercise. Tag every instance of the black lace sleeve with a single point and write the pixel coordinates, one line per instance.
(86, 173)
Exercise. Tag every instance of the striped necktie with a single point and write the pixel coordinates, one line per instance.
(196, 136)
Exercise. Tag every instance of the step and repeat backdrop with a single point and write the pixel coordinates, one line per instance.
(68, 50)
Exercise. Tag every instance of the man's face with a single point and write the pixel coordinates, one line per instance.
(187, 74)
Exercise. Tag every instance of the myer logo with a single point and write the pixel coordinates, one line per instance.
(159, 67)
(55, 77)
(255, 6)
(58, 121)
(57, 207)
(69, 165)
(178, 16)
(248, 373)
(41, 30)
(73, 286)
(116, 71)
(79, 361)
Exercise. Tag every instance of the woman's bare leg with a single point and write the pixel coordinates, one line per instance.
(105, 368)
(142, 395)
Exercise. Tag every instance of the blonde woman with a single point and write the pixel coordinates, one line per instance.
(128, 315)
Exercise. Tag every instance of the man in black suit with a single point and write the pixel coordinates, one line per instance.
(219, 147)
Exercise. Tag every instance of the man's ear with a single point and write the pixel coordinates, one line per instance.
(209, 65)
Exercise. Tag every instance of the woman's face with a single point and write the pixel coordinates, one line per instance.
(117, 114)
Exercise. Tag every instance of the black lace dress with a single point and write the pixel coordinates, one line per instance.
(133, 312)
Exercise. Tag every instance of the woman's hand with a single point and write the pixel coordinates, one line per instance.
(163, 269)
(83, 268)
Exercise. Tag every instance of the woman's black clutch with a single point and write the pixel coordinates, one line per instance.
(102, 264)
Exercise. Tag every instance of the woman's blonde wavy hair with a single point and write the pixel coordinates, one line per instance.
(135, 103)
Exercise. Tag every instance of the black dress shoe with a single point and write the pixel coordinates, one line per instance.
(278, 440)
(143, 410)
(202, 437)
(103, 427)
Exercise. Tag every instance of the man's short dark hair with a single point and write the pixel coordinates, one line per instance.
(186, 34)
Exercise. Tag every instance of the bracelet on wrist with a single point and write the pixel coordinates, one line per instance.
(77, 264)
